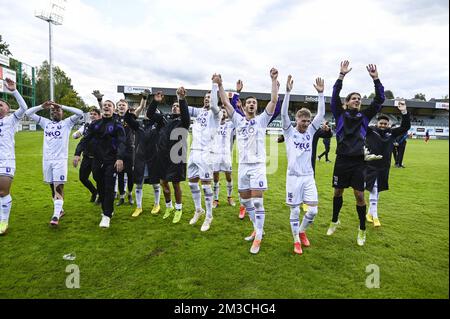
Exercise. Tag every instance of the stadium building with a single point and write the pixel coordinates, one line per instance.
(431, 116)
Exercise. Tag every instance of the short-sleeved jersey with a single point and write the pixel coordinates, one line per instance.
(223, 139)
(251, 137)
(56, 138)
(204, 128)
(299, 150)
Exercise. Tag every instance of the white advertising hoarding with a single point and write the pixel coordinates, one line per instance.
(442, 105)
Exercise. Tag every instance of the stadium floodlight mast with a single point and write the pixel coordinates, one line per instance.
(54, 14)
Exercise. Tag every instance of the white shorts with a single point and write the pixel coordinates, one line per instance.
(252, 177)
(200, 164)
(301, 189)
(7, 168)
(222, 163)
(55, 171)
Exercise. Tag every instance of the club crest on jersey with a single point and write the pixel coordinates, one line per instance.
(290, 197)
(261, 184)
(252, 122)
(58, 126)
(61, 177)
(110, 129)
(308, 137)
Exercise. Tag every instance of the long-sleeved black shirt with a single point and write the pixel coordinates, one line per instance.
(381, 142)
(173, 122)
(351, 125)
(105, 140)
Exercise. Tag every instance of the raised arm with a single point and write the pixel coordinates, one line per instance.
(320, 116)
(336, 103)
(270, 108)
(78, 113)
(144, 96)
(406, 120)
(223, 95)
(131, 120)
(31, 112)
(99, 97)
(153, 105)
(214, 100)
(235, 97)
(378, 100)
(184, 109)
(285, 120)
(11, 86)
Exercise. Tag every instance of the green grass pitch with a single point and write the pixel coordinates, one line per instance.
(148, 257)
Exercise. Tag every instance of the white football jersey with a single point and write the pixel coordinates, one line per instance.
(56, 138)
(204, 128)
(299, 150)
(8, 126)
(251, 137)
(223, 139)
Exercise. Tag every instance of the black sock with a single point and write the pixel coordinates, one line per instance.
(337, 205)
(362, 216)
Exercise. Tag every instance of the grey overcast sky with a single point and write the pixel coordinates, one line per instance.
(104, 43)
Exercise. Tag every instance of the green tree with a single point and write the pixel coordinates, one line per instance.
(420, 96)
(387, 93)
(4, 47)
(63, 88)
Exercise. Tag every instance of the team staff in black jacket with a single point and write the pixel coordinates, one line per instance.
(86, 162)
(326, 136)
(128, 160)
(105, 139)
(146, 169)
(380, 140)
(172, 150)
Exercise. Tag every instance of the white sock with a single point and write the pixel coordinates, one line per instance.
(178, 206)
(125, 181)
(295, 222)
(250, 208)
(116, 185)
(122, 196)
(216, 190)
(5, 208)
(308, 218)
(260, 216)
(169, 204)
(373, 200)
(157, 192)
(196, 195)
(57, 204)
(229, 188)
(208, 199)
(139, 194)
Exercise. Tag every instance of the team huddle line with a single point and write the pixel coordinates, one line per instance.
(149, 147)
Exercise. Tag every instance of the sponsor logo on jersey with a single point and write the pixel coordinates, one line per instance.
(302, 146)
(52, 134)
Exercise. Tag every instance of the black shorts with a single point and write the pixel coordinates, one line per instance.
(349, 171)
(381, 175)
(153, 172)
(170, 171)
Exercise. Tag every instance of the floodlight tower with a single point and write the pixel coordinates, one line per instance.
(54, 14)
